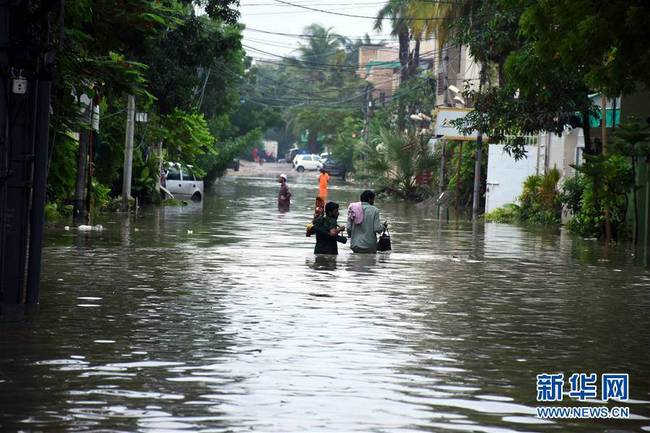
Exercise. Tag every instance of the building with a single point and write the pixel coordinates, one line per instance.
(455, 71)
(379, 64)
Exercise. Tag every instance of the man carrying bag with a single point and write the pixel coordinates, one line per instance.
(363, 235)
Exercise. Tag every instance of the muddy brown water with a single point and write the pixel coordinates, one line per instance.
(217, 317)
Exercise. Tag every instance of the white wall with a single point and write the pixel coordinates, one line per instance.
(505, 176)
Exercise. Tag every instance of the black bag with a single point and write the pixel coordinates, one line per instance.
(384, 241)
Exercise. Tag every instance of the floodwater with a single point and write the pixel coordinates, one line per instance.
(217, 317)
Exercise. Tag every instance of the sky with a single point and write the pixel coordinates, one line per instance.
(278, 17)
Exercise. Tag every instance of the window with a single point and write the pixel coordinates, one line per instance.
(173, 174)
(184, 173)
(441, 84)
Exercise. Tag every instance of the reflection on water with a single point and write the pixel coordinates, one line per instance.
(218, 317)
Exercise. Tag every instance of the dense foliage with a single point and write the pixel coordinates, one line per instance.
(173, 70)
(539, 202)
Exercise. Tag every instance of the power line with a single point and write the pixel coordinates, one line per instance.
(293, 59)
(317, 3)
(292, 100)
(291, 12)
(377, 45)
(367, 16)
(308, 36)
(333, 65)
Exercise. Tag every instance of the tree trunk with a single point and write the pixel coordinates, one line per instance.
(404, 41)
(313, 142)
(403, 37)
(635, 206)
(416, 58)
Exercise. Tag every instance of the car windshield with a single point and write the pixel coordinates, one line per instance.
(173, 173)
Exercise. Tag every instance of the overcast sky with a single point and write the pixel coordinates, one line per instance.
(274, 16)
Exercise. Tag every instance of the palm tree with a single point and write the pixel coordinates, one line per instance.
(352, 49)
(431, 18)
(322, 46)
(397, 11)
(415, 20)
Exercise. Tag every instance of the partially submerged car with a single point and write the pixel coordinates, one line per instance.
(180, 180)
(334, 168)
(234, 164)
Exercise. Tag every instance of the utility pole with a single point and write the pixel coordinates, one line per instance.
(205, 83)
(547, 152)
(366, 112)
(603, 123)
(460, 159)
(539, 144)
(93, 126)
(442, 166)
(477, 177)
(79, 211)
(479, 152)
(27, 60)
(128, 153)
(608, 223)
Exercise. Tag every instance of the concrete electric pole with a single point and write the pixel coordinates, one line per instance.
(128, 154)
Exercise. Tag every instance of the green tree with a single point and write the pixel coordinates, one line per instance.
(394, 160)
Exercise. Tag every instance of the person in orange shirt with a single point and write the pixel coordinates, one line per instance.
(323, 180)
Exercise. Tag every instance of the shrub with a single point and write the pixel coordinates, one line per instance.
(508, 214)
(100, 195)
(599, 189)
(51, 211)
(539, 199)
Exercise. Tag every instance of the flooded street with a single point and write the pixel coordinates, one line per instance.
(217, 317)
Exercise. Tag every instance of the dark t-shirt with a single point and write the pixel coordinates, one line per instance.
(326, 243)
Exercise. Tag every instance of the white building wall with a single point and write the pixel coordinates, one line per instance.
(563, 151)
(505, 176)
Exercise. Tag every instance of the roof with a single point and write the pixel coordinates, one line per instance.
(384, 65)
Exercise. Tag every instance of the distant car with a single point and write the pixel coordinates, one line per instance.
(234, 165)
(181, 181)
(288, 157)
(291, 154)
(307, 162)
(334, 168)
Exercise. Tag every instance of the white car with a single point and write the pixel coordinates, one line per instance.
(181, 181)
(307, 162)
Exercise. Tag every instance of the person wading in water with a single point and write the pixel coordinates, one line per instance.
(328, 232)
(365, 225)
(284, 196)
(323, 181)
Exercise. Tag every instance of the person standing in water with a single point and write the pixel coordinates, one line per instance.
(364, 228)
(323, 181)
(284, 196)
(327, 230)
